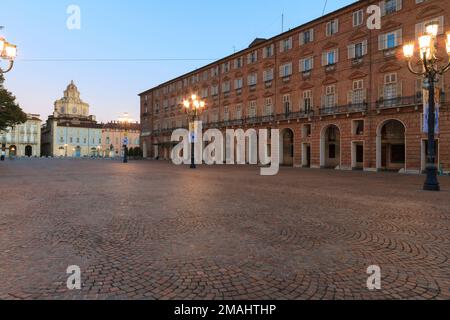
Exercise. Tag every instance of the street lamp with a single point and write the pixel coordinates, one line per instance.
(8, 52)
(430, 72)
(193, 107)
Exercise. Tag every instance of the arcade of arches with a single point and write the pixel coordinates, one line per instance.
(350, 144)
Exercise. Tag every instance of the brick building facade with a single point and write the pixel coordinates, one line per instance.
(339, 92)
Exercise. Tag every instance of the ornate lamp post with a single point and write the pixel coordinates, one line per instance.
(193, 108)
(8, 52)
(431, 72)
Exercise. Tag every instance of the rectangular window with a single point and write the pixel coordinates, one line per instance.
(226, 67)
(390, 6)
(252, 57)
(390, 40)
(268, 51)
(215, 90)
(421, 27)
(358, 18)
(391, 88)
(307, 101)
(332, 27)
(239, 111)
(252, 79)
(204, 93)
(226, 87)
(215, 71)
(357, 50)
(238, 63)
(268, 107)
(306, 37)
(358, 94)
(330, 97)
(238, 83)
(306, 64)
(286, 70)
(252, 109)
(268, 75)
(287, 103)
(226, 113)
(286, 44)
(330, 57)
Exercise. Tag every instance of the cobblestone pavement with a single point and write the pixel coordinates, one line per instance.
(150, 230)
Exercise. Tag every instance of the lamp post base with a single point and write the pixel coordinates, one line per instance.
(431, 184)
(193, 166)
(431, 187)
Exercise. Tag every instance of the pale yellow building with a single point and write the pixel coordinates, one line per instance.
(23, 140)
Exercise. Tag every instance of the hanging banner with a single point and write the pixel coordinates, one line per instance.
(426, 109)
(193, 132)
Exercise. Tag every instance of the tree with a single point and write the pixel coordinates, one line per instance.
(10, 112)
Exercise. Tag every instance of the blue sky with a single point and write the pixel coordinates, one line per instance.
(134, 29)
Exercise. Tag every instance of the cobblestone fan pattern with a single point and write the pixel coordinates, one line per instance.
(150, 230)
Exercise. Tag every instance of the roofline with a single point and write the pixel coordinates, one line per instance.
(269, 40)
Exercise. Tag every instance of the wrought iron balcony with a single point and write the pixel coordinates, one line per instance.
(399, 102)
(348, 108)
(257, 120)
(294, 115)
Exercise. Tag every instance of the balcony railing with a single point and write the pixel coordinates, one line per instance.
(348, 108)
(416, 100)
(404, 101)
(294, 115)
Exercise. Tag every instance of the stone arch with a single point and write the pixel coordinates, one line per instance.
(330, 147)
(287, 147)
(391, 145)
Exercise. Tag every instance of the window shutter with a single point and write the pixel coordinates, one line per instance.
(399, 5)
(328, 29)
(281, 71)
(301, 38)
(281, 46)
(420, 28)
(381, 42)
(324, 58)
(336, 53)
(364, 47)
(399, 37)
(351, 51)
(337, 25)
(383, 8)
(301, 65)
(265, 53)
(312, 62)
(441, 25)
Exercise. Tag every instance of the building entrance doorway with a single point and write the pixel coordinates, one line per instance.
(28, 151)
